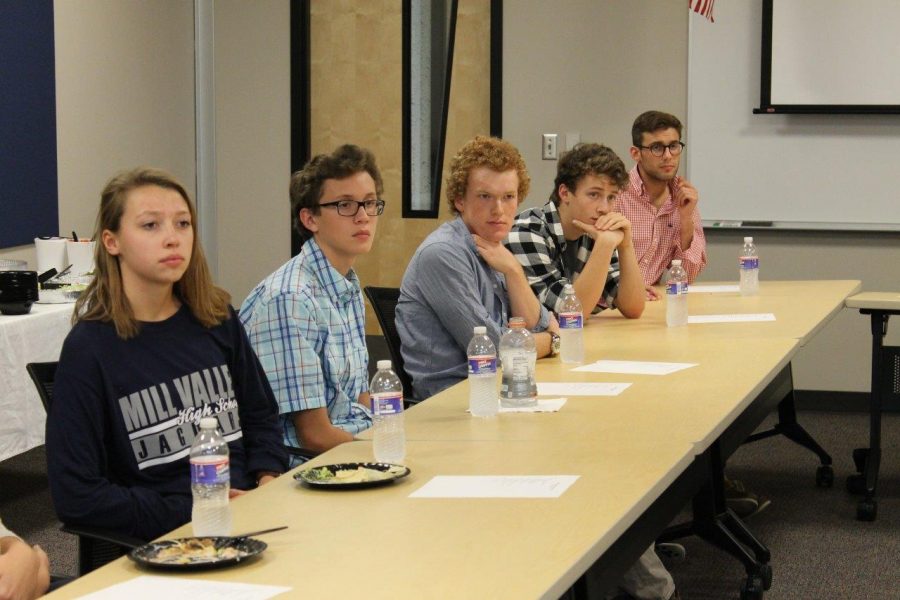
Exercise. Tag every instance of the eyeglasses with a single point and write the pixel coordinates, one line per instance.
(350, 208)
(658, 148)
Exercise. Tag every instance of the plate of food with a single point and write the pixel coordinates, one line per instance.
(351, 476)
(196, 553)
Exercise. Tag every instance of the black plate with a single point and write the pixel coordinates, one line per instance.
(324, 477)
(147, 555)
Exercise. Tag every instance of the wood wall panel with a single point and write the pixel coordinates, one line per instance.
(356, 97)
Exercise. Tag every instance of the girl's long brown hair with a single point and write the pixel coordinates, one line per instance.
(105, 300)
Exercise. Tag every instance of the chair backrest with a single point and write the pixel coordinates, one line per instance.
(43, 374)
(384, 301)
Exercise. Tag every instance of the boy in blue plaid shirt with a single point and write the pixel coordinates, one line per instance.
(306, 321)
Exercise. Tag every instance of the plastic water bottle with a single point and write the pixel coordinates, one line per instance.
(482, 355)
(676, 296)
(749, 268)
(387, 404)
(571, 327)
(210, 481)
(518, 355)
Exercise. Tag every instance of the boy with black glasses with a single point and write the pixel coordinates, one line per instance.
(661, 206)
(306, 321)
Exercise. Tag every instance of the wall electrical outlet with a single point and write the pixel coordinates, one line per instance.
(548, 146)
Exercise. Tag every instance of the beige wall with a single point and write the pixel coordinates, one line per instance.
(586, 66)
(253, 137)
(124, 97)
(356, 96)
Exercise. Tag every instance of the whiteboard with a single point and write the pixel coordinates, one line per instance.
(793, 171)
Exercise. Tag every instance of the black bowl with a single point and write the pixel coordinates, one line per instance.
(22, 307)
(14, 294)
(18, 291)
(18, 279)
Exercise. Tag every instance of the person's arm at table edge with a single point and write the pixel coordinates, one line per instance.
(632, 293)
(591, 281)
(315, 430)
(24, 570)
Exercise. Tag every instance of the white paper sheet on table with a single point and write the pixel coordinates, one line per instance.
(543, 405)
(495, 486)
(634, 367)
(578, 388)
(744, 318)
(713, 289)
(150, 587)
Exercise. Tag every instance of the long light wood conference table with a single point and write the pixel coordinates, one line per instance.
(639, 457)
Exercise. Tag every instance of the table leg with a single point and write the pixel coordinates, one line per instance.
(789, 427)
(715, 523)
(870, 457)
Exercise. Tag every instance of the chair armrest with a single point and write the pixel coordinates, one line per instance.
(98, 533)
(301, 452)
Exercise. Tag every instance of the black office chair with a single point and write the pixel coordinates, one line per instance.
(96, 546)
(384, 301)
(43, 375)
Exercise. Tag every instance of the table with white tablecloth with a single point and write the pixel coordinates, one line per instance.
(35, 337)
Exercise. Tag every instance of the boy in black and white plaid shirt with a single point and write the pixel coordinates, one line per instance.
(577, 237)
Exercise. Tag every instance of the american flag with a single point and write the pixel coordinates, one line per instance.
(703, 7)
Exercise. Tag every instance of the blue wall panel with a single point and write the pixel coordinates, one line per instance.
(28, 175)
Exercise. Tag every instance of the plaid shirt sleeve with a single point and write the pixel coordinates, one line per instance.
(285, 337)
(532, 244)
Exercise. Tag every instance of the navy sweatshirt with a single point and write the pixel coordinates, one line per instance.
(125, 412)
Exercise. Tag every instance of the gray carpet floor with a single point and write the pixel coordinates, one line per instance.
(819, 549)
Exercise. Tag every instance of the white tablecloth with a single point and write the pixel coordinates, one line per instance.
(35, 337)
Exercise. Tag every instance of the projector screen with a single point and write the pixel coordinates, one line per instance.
(830, 56)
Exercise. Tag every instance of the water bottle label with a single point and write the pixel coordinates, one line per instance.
(390, 403)
(516, 365)
(570, 320)
(210, 472)
(482, 365)
(749, 262)
(517, 380)
(676, 288)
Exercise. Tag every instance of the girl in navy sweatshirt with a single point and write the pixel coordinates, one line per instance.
(155, 346)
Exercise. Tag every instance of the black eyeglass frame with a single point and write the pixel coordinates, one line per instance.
(663, 147)
(378, 204)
